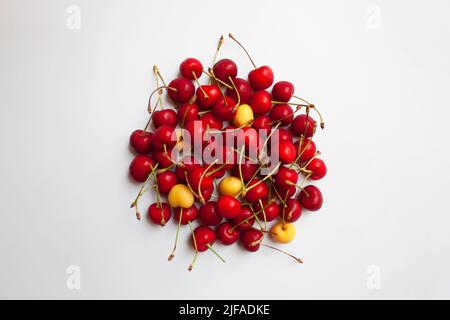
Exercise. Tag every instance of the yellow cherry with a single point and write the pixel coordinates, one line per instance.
(230, 186)
(180, 196)
(283, 233)
(243, 116)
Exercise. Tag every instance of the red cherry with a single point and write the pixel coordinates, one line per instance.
(282, 91)
(306, 149)
(212, 95)
(159, 214)
(282, 113)
(259, 191)
(184, 166)
(285, 191)
(244, 89)
(260, 102)
(208, 214)
(225, 68)
(262, 123)
(165, 117)
(166, 181)
(196, 175)
(251, 239)
(187, 112)
(285, 177)
(284, 135)
(250, 137)
(311, 198)
(141, 141)
(248, 169)
(228, 206)
(140, 167)
(206, 194)
(187, 215)
(271, 210)
(245, 214)
(211, 121)
(261, 78)
(204, 236)
(196, 130)
(286, 152)
(191, 68)
(163, 136)
(226, 235)
(184, 90)
(303, 125)
(292, 211)
(225, 108)
(163, 158)
(318, 169)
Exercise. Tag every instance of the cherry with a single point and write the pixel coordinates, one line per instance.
(250, 137)
(159, 213)
(282, 113)
(184, 166)
(225, 68)
(306, 149)
(311, 198)
(141, 141)
(226, 234)
(186, 215)
(285, 177)
(244, 89)
(196, 130)
(191, 68)
(271, 210)
(284, 135)
(251, 239)
(260, 102)
(225, 108)
(303, 125)
(206, 194)
(282, 91)
(207, 95)
(163, 158)
(262, 123)
(228, 206)
(286, 152)
(184, 90)
(248, 169)
(140, 167)
(244, 220)
(208, 214)
(166, 181)
(204, 238)
(163, 136)
(211, 121)
(285, 191)
(187, 112)
(198, 177)
(318, 169)
(292, 211)
(165, 117)
(258, 191)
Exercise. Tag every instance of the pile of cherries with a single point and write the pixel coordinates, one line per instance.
(259, 170)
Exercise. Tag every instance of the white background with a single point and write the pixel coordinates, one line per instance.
(379, 71)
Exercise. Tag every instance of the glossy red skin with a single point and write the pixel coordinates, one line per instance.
(260, 192)
(310, 198)
(141, 141)
(248, 169)
(159, 215)
(207, 193)
(208, 215)
(140, 167)
(287, 152)
(163, 136)
(292, 212)
(271, 210)
(282, 113)
(307, 149)
(303, 125)
(165, 117)
(191, 67)
(204, 236)
(224, 108)
(318, 168)
(162, 158)
(262, 123)
(285, 191)
(228, 206)
(261, 78)
(184, 166)
(244, 89)
(211, 121)
(166, 181)
(244, 214)
(226, 235)
(197, 133)
(213, 94)
(251, 239)
(225, 68)
(189, 214)
(250, 137)
(187, 112)
(282, 91)
(194, 177)
(185, 90)
(226, 156)
(285, 135)
(260, 102)
(284, 175)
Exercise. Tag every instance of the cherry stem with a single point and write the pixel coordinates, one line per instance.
(219, 45)
(245, 50)
(176, 236)
(211, 75)
(216, 169)
(199, 85)
(290, 103)
(238, 102)
(189, 185)
(267, 139)
(279, 250)
(150, 109)
(195, 246)
(155, 72)
(200, 195)
(264, 213)
(134, 204)
(215, 252)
